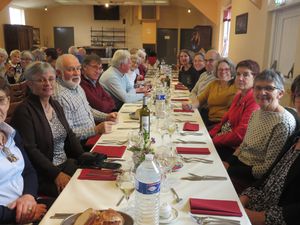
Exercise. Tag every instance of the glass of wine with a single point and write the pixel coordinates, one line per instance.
(171, 128)
(126, 183)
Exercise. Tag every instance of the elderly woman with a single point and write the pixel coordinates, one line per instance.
(199, 64)
(229, 133)
(218, 94)
(275, 199)
(13, 67)
(18, 179)
(48, 140)
(3, 58)
(266, 134)
(187, 73)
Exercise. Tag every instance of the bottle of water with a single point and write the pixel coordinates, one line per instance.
(160, 102)
(147, 186)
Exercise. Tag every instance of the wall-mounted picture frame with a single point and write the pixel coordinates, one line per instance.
(241, 24)
(36, 36)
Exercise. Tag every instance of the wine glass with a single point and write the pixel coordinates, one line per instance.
(126, 183)
(161, 128)
(135, 138)
(171, 128)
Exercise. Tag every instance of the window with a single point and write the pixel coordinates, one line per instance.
(16, 16)
(226, 31)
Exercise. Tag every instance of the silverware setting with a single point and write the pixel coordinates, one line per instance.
(120, 201)
(187, 133)
(195, 177)
(127, 128)
(195, 159)
(178, 140)
(177, 198)
(182, 120)
(203, 220)
(61, 215)
(183, 114)
(115, 142)
(130, 121)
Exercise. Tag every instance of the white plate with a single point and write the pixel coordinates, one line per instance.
(172, 218)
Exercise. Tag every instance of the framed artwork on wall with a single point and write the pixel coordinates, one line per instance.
(241, 24)
(36, 36)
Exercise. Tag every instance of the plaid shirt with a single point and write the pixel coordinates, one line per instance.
(79, 113)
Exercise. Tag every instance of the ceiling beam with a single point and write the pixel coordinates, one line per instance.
(209, 8)
(4, 3)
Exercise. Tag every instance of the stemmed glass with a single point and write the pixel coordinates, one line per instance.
(171, 128)
(135, 138)
(126, 183)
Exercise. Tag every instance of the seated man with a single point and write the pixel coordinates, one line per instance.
(116, 83)
(97, 97)
(81, 117)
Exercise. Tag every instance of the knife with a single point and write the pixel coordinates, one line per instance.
(189, 142)
(61, 215)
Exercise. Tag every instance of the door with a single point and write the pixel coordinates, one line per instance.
(167, 45)
(63, 38)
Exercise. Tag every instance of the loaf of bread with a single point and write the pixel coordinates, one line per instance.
(97, 217)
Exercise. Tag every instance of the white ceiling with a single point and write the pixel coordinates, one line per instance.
(51, 3)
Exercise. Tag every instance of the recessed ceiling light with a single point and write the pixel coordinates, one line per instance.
(189, 11)
(106, 5)
(46, 9)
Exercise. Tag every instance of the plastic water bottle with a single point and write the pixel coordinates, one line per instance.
(147, 186)
(160, 103)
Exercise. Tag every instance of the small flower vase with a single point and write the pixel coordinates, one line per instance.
(137, 158)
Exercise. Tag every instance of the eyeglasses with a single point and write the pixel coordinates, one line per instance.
(223, 69)
(209, 60)
(3, 100)
(73, 68)
(51, 80)
(266, 88)
(245, 75)
(26, 59)
(96, 67)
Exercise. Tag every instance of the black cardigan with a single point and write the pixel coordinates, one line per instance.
(30, 185)
(30, 120)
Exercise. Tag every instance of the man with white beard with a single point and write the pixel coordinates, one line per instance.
(80, 115)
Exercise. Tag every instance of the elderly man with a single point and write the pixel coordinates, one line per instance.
(97, 97)
(211, 57)
(116, 83)
(72, 98)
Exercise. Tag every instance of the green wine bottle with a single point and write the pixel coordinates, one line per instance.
(145, 117)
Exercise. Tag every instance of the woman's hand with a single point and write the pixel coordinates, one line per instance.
(244, 200)
(39, 212)
(112, 117)
(104, 127)
(25, 207)
(256, 218)
(61, 181)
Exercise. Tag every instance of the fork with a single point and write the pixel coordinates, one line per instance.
(182, 133)
(120, 142)
(215, 220)
(178, 140)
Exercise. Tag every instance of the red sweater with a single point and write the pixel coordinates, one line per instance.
(238, 116)
(97, 97)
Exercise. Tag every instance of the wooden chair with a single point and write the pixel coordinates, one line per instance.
(18, 92)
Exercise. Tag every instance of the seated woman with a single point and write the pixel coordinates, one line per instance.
(267, 131)
(275, 199)
(18, 181)
(218, 94)
(187, 73)
(199, 64)
(48, 140)
(229, 133)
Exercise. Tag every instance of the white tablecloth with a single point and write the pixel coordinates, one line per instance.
(82, 194)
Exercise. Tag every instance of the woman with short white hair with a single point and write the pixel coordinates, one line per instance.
(3, 58)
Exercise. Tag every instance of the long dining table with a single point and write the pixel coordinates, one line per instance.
(79, 195)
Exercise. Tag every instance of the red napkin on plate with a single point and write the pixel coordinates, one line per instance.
(190, 126)
(215, 207)
(92, 174)
(189, 150)
(184, 110)
(92, 140)
(110, 151)
(179, 99)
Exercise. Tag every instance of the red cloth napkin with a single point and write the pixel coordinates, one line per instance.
(92, 174)
(215, 207)
(110, 151)
(180, 87)
(189, 150)
(190, 126)
(184, 110)
(92, 140)
(179, 99)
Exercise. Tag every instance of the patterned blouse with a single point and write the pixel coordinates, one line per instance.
(59, 136)
(267, 197)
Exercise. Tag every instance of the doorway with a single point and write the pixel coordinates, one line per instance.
(63, 38)
(167, 40)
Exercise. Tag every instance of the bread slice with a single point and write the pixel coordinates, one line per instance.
(86, 217)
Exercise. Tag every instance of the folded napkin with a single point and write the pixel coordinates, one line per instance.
(190, 126)
(92, 140)
(184, 110)
(180, 87)
(92, 174)
(110, 151)
(179, 99)
(215, 207)
(189, 150)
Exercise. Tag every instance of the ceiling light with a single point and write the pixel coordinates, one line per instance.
(106, 5)
(189, 11)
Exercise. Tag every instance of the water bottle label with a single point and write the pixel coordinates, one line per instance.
(160, 97)
(148, 189)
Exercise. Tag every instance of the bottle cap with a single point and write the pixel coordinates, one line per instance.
(149, 157)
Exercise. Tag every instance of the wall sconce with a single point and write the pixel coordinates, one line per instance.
(106, 5)
(46, 9)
